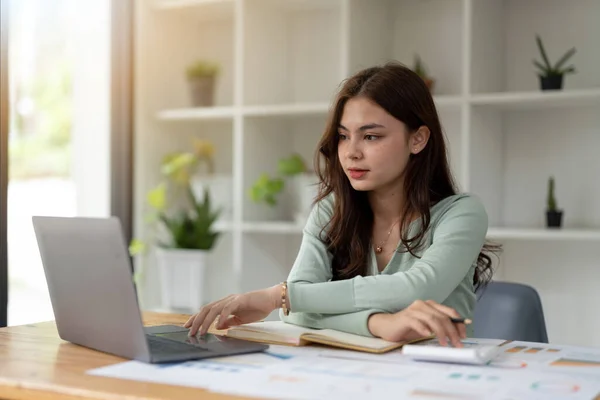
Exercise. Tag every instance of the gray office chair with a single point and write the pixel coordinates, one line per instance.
(510, 311)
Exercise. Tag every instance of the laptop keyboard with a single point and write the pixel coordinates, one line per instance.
(158, 344)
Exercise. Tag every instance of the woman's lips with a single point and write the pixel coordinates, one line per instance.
(357, 173)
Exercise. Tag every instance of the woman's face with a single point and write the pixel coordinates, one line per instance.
(374, 147)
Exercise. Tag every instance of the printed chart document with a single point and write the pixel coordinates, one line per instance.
(278, 332)
(354, 379)
(523, 371)
(201, 373)
(548, 357)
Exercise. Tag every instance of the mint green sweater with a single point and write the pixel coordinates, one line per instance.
(443, 273)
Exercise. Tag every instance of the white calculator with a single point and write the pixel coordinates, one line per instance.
(471, 353)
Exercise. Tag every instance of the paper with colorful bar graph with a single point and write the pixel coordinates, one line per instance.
(546, 357)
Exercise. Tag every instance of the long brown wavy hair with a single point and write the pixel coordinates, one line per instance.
(404, 95)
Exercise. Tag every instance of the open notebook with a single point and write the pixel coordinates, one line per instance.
(277, 332)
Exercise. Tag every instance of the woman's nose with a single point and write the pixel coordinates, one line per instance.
(353, 150)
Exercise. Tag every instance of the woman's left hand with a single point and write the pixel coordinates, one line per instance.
(235, 310)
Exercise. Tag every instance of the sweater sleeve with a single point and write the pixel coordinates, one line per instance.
(356, 322)
(457, 239)
(313, 265)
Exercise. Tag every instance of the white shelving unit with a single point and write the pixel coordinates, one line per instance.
(282, 63)
(544, 234)
(189, 114)
(532, 100)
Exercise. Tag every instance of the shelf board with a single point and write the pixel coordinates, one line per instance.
(322, 108)
(174, 4)
(271, 110)
(272, 227)
(223, 226)
(198, 113)
(301, 5)
(544, 234)
(202, 10)
(286, 110)
(537, 100)
(209, 7)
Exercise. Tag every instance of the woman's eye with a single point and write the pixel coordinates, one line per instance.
(341, 136)
(371, 137)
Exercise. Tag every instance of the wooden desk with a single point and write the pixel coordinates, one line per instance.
(36, 364)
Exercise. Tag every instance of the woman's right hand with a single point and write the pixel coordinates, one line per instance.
(421, 318)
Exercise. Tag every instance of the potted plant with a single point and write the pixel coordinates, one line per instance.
(553, 214)
(201, 77)
(182, 235)
(420, 69)
(266, 189)
(198, 167)
(551, 77)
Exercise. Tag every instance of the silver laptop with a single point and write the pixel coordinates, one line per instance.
(90, 282)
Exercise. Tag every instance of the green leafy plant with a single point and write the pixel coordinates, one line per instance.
(202, 69)
(179, 166)
(191, 228)
(185, 221)
(291, 166)
(266, 188)
(546, 69)
(419, 67)
(550, 199)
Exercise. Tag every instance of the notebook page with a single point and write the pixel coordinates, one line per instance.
(355, 340)
(275, 328)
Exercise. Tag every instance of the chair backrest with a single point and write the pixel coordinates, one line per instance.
(510, 311)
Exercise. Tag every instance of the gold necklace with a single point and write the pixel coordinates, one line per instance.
(379, 249)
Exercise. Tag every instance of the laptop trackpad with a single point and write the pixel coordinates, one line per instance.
(221, 344)
(202, 341)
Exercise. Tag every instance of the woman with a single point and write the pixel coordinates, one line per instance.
(390, 248)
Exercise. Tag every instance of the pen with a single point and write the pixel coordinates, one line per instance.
(465, 321)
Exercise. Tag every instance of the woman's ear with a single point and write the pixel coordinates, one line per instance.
(418, 140)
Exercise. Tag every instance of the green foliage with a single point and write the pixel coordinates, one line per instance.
(186, 227)
(53, 97)
(33, 157)
(202, 69)
(419, 67)
(551, 200)
(266, 189)
(185, 221)
(291, 166)
(546, 69)
(179, 166)
(45, 149)
(192, 229)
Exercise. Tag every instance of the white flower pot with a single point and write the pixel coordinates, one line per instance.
(306, 189)
(220, 191)
(182, 275)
